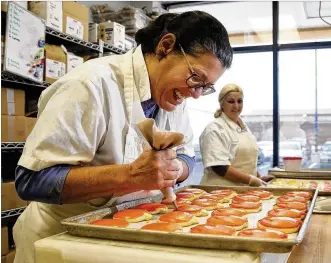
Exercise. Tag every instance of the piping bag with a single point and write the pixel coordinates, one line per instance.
(161, 140)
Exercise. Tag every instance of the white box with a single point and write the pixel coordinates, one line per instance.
(74, 28)
(113, 34)
(23, 4)
(73, 61)
(93, 33)
(50, 11)
(55, 69)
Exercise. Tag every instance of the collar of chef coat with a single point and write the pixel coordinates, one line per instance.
(140, 75)
(233, 125)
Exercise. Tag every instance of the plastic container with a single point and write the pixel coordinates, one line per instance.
(292, 163)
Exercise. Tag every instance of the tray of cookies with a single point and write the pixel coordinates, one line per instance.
(304, 173)
(323, 186)
(208, 216)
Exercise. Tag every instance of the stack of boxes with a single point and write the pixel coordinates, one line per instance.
(15, 127)
(7, 255)
(70, 18)
(9, 200)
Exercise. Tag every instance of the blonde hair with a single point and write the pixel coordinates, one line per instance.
(225, 91)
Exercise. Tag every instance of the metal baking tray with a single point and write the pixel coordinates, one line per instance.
(78, 226)
(303, 174)
(320, 192)
(324, 210)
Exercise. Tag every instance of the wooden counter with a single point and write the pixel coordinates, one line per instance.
(316, 245)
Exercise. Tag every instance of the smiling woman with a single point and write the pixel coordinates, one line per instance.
(185, 54)
(229, 150)
(85, 152)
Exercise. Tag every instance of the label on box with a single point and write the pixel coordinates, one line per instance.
(10, 102)
(10, 95)
(54, 15)
(73, 61)
(23, 4)
(54, 69)
(93, 33)
(74, 28)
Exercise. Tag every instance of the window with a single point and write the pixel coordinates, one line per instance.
(305, 111)
(300, 21)
(253, 73)
(248, 23)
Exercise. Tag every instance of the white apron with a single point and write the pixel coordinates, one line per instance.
(245, 161)
(40, 220)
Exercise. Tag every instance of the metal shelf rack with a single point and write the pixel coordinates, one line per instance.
(10, 77)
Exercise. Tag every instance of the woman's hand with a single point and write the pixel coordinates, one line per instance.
(254, 181)
(155, 170)
(267, 178)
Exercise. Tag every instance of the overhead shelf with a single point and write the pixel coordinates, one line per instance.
(7, 146)
(9, 215)
(81, 46)
(77, 45)
(109, 48)
(9, 77)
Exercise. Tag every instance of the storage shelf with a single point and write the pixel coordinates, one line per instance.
(6, 146)
(109, 48)
(11, 215)
(85, 46)
(9, 77)
(88, 46)
(12, 212)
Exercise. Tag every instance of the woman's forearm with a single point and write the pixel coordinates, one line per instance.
(234, 175)
(231, 174)
(89, 182)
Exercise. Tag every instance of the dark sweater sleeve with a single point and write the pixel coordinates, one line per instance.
(43, 186)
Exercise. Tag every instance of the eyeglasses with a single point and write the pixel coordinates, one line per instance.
(195, 81)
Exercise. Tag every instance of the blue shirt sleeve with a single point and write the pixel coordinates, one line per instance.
(190, 161)
(43, 186)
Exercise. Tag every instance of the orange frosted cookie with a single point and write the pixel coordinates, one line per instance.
(213, 230)
(110, 222)
(163, 226)
(262, 233)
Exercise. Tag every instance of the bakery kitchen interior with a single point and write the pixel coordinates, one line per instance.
(175, 131)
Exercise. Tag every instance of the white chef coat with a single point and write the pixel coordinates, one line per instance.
(224, 142)
(88, 117)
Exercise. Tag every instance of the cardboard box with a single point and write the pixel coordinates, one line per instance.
(93, 33)
(12, 102)
(13, 128)
(55, 63)
(4, 5)
(75, 20)
(3, 46)
(50, 11)
(9, 258)
(30, 123)
(10, 198)
(4, 241)
(113, 34)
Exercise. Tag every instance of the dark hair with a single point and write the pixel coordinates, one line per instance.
(195, 31)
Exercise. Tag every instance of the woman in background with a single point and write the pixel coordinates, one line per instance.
(228, 148)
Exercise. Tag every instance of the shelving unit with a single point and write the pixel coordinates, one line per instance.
(12, 78)
(81, 46)
(10, 215)
(10, 146)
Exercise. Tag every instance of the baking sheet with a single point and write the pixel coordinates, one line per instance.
(296, 183)
(303, 174)
(79, 226)
(325, 210)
